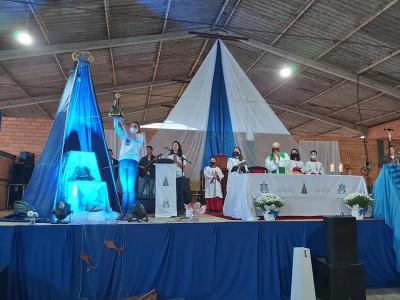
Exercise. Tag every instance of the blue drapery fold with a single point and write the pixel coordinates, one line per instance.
(219, 138)
(77, 127)
(386, 194)
(227, 260)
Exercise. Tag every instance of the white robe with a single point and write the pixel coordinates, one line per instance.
(273, 165)
(314, 167)
(232, 162)
(212, 188)
(295, 164)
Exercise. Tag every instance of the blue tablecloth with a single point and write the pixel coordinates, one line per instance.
(228, 260)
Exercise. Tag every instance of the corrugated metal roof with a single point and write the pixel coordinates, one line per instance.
(75, 21)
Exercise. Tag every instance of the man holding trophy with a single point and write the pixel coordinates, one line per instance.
(131, 142)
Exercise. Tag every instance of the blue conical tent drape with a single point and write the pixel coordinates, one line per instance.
(219, 138)
(77, 128)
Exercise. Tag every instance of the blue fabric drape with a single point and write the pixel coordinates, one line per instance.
(386, 194)
(77, 127)
(227, 260)
(219, 138)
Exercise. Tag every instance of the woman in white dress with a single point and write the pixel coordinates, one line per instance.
(212, 186)
(236, 164)
(295, 165)
(131, 142)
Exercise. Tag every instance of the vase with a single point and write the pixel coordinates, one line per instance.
(32, 220)
(269, 216)
(194, 218)
(358, 213)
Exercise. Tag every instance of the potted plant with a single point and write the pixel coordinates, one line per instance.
(269, 203)
(358, 203)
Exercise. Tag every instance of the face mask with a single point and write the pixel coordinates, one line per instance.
(236, 154)
(313, 157)
(212, 163)
(133, 130)
(275, 149)
(293, 155)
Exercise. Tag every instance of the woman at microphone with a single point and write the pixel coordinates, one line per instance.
(176, 154)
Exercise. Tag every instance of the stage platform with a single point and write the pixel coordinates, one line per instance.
(212, 259)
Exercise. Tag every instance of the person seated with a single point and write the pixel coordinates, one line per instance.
(277, 161)
(236, 164)
(313, 166)
(212, 186)
(295, 165)
(392, 158)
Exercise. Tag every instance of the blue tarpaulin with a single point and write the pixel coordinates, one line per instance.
(386, 193)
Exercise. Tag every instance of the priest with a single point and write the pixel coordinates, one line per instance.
(277, 161)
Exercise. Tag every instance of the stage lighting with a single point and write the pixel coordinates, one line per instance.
(24, 38)
(61, 211)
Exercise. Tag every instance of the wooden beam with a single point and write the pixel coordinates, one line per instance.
(93, 45)
(307, 5)
(309, 114)
(55, 98)
(338, 72)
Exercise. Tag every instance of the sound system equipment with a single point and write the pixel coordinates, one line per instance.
(341, 240)
(3, 283)
(28, 158)
(340, 282)
(340, 275)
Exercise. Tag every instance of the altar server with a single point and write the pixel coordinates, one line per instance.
(313, 166)
(131, 142)
(212, 186)
(236, 164)
(295, 165)
(277, 161)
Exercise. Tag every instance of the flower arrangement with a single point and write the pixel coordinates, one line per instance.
(359, 199)
(269, 204)
(358, 203)
(265, 201)
(24, 207)
(193, 210)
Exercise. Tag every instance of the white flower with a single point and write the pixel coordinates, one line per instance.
(30, 214)
(36, 215)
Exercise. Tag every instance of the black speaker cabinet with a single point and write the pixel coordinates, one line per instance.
(28, 158)
(340, 282)
(3, 283)
(341, 240)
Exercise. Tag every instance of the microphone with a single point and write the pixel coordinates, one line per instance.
(166, 148)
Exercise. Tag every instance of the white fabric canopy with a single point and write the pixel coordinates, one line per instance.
(255, 126)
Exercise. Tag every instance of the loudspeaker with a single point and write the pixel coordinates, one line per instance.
(3, 283)
(340, 282)
(21, 173)
(341, 240)
(28, 158)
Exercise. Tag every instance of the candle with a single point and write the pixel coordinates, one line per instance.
(332, 168)
(341, 168)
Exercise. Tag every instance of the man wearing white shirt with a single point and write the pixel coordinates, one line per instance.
(313, 166)
(277, 161)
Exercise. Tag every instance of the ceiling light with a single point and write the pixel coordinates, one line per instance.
(285, 72)
(24, 38)
(362, 137)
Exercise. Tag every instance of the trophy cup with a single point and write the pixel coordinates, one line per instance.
(116, 109)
